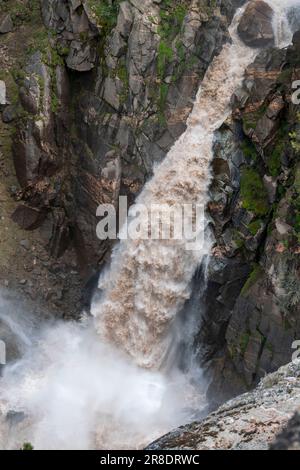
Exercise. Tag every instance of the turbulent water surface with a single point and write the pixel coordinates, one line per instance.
(101, 384)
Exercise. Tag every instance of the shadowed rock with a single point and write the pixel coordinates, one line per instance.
(255, 27)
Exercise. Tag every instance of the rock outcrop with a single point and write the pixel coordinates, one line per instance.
(100, 97)
(289, 438)
(6, 24)
(249, 422)
(255, 27)
(252, 301)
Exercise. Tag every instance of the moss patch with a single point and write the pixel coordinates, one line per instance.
(255, 226)
(105, 13)
(244, 341)
(256, 274)
(249, 150)
(253, 192)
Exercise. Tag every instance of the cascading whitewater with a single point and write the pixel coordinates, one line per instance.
(282, 29)
(149, 280)
(74, 390)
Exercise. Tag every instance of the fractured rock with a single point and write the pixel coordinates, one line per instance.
(255, 28)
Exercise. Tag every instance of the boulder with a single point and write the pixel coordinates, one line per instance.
(81, 57)
(9, 114)
(28, 218)
(6, 24)
(255, 28)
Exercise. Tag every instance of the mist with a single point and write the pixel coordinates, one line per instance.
(71, 390)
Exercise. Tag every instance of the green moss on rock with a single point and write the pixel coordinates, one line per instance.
(105, 13)
(249, 150)
(254, 276)
(255, 226)
(253, 192)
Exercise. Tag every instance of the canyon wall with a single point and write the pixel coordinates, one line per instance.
(252, 300)
(97, 95)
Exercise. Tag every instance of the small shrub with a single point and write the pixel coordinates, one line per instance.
(253, 192)
(106, 13)
(27, 446)
(254, 227)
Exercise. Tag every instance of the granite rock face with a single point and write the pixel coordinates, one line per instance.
(249, 422)
(252, 303)
(289, 438)
(102, 99)
(255, 27)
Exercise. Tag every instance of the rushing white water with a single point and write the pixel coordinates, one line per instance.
(282, 29)
(149, 280)
(77, 390)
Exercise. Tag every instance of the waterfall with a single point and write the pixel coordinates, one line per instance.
(149, 280)
(100, 385)
(281, 26)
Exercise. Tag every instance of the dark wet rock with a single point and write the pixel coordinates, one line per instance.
(6, 24)
(29, 218)
(255, 27)
(289, 438)
(9, 114)
(120, 100)
(249, 325)
(75, 31)
(81, 57)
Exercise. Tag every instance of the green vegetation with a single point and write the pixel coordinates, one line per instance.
(250, 120)
(165, 55)
(249, 150)
(238, 239)
(252, 279)
(122, 73)
(297, 180)
(295, 203)
(253, 192)
(172, 14)
(274, 160)
(255, 226)
(27, 446)
(274, 157)
(285, 77)
(23, 12)
(295, 137)
(105, 12)
(244, 341)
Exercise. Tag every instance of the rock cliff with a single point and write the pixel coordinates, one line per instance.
(249, 422)
(252, 299)
(98, 93)
(92, 96)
